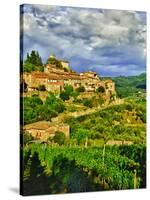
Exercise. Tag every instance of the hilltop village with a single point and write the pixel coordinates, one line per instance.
(54, 79)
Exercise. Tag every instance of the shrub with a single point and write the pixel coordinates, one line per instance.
(88, 103)
(100, 89)
(46, 113)
(129, 107)
(27, 138)
(75, 94)
(80, 89)
(64, 95)
(59, 138)
(68, 89)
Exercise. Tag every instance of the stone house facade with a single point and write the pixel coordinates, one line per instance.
(55, 79)
(44, 129)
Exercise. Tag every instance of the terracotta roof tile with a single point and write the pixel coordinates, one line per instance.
(39, 74)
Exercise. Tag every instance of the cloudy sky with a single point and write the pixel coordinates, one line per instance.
(110, 42)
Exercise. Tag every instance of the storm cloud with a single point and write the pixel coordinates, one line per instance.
(110, 42)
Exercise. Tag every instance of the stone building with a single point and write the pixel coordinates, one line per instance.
(44, 129)
(55, 79)
(65, 64)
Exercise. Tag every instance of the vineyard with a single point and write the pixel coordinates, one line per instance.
(61, 169)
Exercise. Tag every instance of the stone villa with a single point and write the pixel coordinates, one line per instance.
(43, 130)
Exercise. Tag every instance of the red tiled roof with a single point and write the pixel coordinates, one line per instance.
(55, 83)
(39, 75)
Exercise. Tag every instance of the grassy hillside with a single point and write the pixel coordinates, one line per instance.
(118, 122)
(130, 85)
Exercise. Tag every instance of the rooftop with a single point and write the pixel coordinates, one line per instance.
(43, 125)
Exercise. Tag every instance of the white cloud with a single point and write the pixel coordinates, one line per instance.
(104, 36)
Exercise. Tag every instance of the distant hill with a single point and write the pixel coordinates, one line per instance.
(129, 85)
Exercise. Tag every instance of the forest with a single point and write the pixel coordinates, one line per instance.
(130, 85)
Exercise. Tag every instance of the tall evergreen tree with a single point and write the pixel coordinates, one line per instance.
(33, 62)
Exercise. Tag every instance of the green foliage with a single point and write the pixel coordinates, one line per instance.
(46, 113)
(27, 138)
(41, 68)
(100, 89)
(36, 110)
(33, 62)
(64, 95)
(130, 86)
(142, 116)
(75, 94)
(113, 123)
(80, 89)
(72, 108)
(81, 135)
(88, 103)
(54, 103)
(129, 107)
(59, 138)
(28, 67)
(85, 166)
(35, 179)
(54, 61)
(31, 106)
(34, 58)
(68, 91)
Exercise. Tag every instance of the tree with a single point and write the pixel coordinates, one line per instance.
(59, 106)
(50, 99)
(31, 106)
(54, 103)
(88, 103)
(28, 67)
(68, 89)
(80, 89)
(34, 58)
(41, 68)
(46, 113)
(64, 95)
(59, 138)
(75, 94)
(33, 62)
(82, 135)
